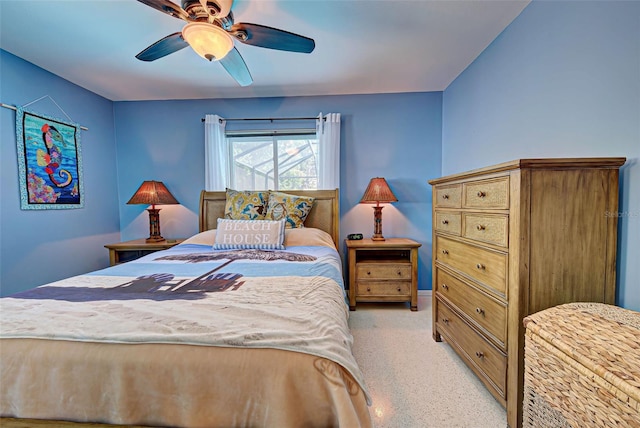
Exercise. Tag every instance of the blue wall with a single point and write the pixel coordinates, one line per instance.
(396, 136)
(563, 80)
(46, 245)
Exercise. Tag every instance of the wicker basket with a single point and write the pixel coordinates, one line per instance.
(582, 367)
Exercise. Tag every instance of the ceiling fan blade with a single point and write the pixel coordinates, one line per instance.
(272, 38)
(163, 47)
(236, 67)
(168, 7)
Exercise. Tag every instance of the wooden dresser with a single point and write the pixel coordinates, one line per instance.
(513, 239)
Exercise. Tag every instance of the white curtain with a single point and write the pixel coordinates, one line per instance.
(216, 153)
(328, 133)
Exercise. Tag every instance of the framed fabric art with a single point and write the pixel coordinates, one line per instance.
(49, 162)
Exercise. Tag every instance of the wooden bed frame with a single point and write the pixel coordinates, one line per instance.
(324, 215)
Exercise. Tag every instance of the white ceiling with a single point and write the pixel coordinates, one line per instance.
(362, 46)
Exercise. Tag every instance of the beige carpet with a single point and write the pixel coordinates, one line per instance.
(415, 381)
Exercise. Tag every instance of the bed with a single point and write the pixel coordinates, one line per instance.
(190, 337)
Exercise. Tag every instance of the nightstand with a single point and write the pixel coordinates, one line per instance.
(383, 271)
(123, 252)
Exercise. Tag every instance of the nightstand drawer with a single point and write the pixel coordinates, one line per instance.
(493, 229)
(487, 360)
(384, 288)
(488, 313)
(488, 267)
(492, 193)
(449, 196)
(381, 271)
(448, 222)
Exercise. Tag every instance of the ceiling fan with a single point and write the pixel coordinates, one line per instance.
(211, 31)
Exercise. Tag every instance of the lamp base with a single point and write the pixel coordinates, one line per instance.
(377, 224)
(154, 226)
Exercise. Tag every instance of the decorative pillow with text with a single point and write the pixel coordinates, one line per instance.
(249, 234)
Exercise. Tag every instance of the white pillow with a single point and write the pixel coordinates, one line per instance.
(249, 234)
(308, 237)
(207, 237)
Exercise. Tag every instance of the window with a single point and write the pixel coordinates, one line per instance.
(273, 161)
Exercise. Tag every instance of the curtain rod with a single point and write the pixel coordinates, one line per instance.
(16, 109)
(270, 118)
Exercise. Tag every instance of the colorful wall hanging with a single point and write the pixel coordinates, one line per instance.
(49, 162)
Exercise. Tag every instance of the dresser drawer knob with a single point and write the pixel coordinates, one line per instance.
(480, 266)
(445, 320)
(399, 273)
(480, 311)
(399, 289)
(445, 286)
(368, 288)
(445, 196)
(445, 221)
(480, 227)
(479, 354)
(482, 194)
(445, 252)
(368, 272)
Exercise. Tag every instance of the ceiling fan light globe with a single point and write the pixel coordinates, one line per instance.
(209, 41)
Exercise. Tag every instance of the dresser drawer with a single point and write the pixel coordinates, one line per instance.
(490, 363)
(489, 314)
(448, 222)
(493, 229)
(487, 194)
(485, 266)
(449, 196)
(377, 271)
(384, 288)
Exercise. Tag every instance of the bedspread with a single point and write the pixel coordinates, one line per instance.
(290, 300)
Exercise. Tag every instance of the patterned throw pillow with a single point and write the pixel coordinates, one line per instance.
(249, 234)
(294, 209)
(246, 204)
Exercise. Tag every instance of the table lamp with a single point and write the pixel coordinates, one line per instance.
(378, 192)
(153, 193)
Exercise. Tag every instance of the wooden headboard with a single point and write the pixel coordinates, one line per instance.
(324, 215)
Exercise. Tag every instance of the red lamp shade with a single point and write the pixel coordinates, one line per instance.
(378, 191)
(153, 193)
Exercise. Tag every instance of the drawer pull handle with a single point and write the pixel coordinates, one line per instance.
(399, 273)
(480, 266)
(445, 196)
(482, 194)
(399, 289)
(445, 320)
(479, 354)
(480, 227)
(368, 288)
(445, 252)
(480, 311)
(368, 272)
(445, 221)
(445, 286)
